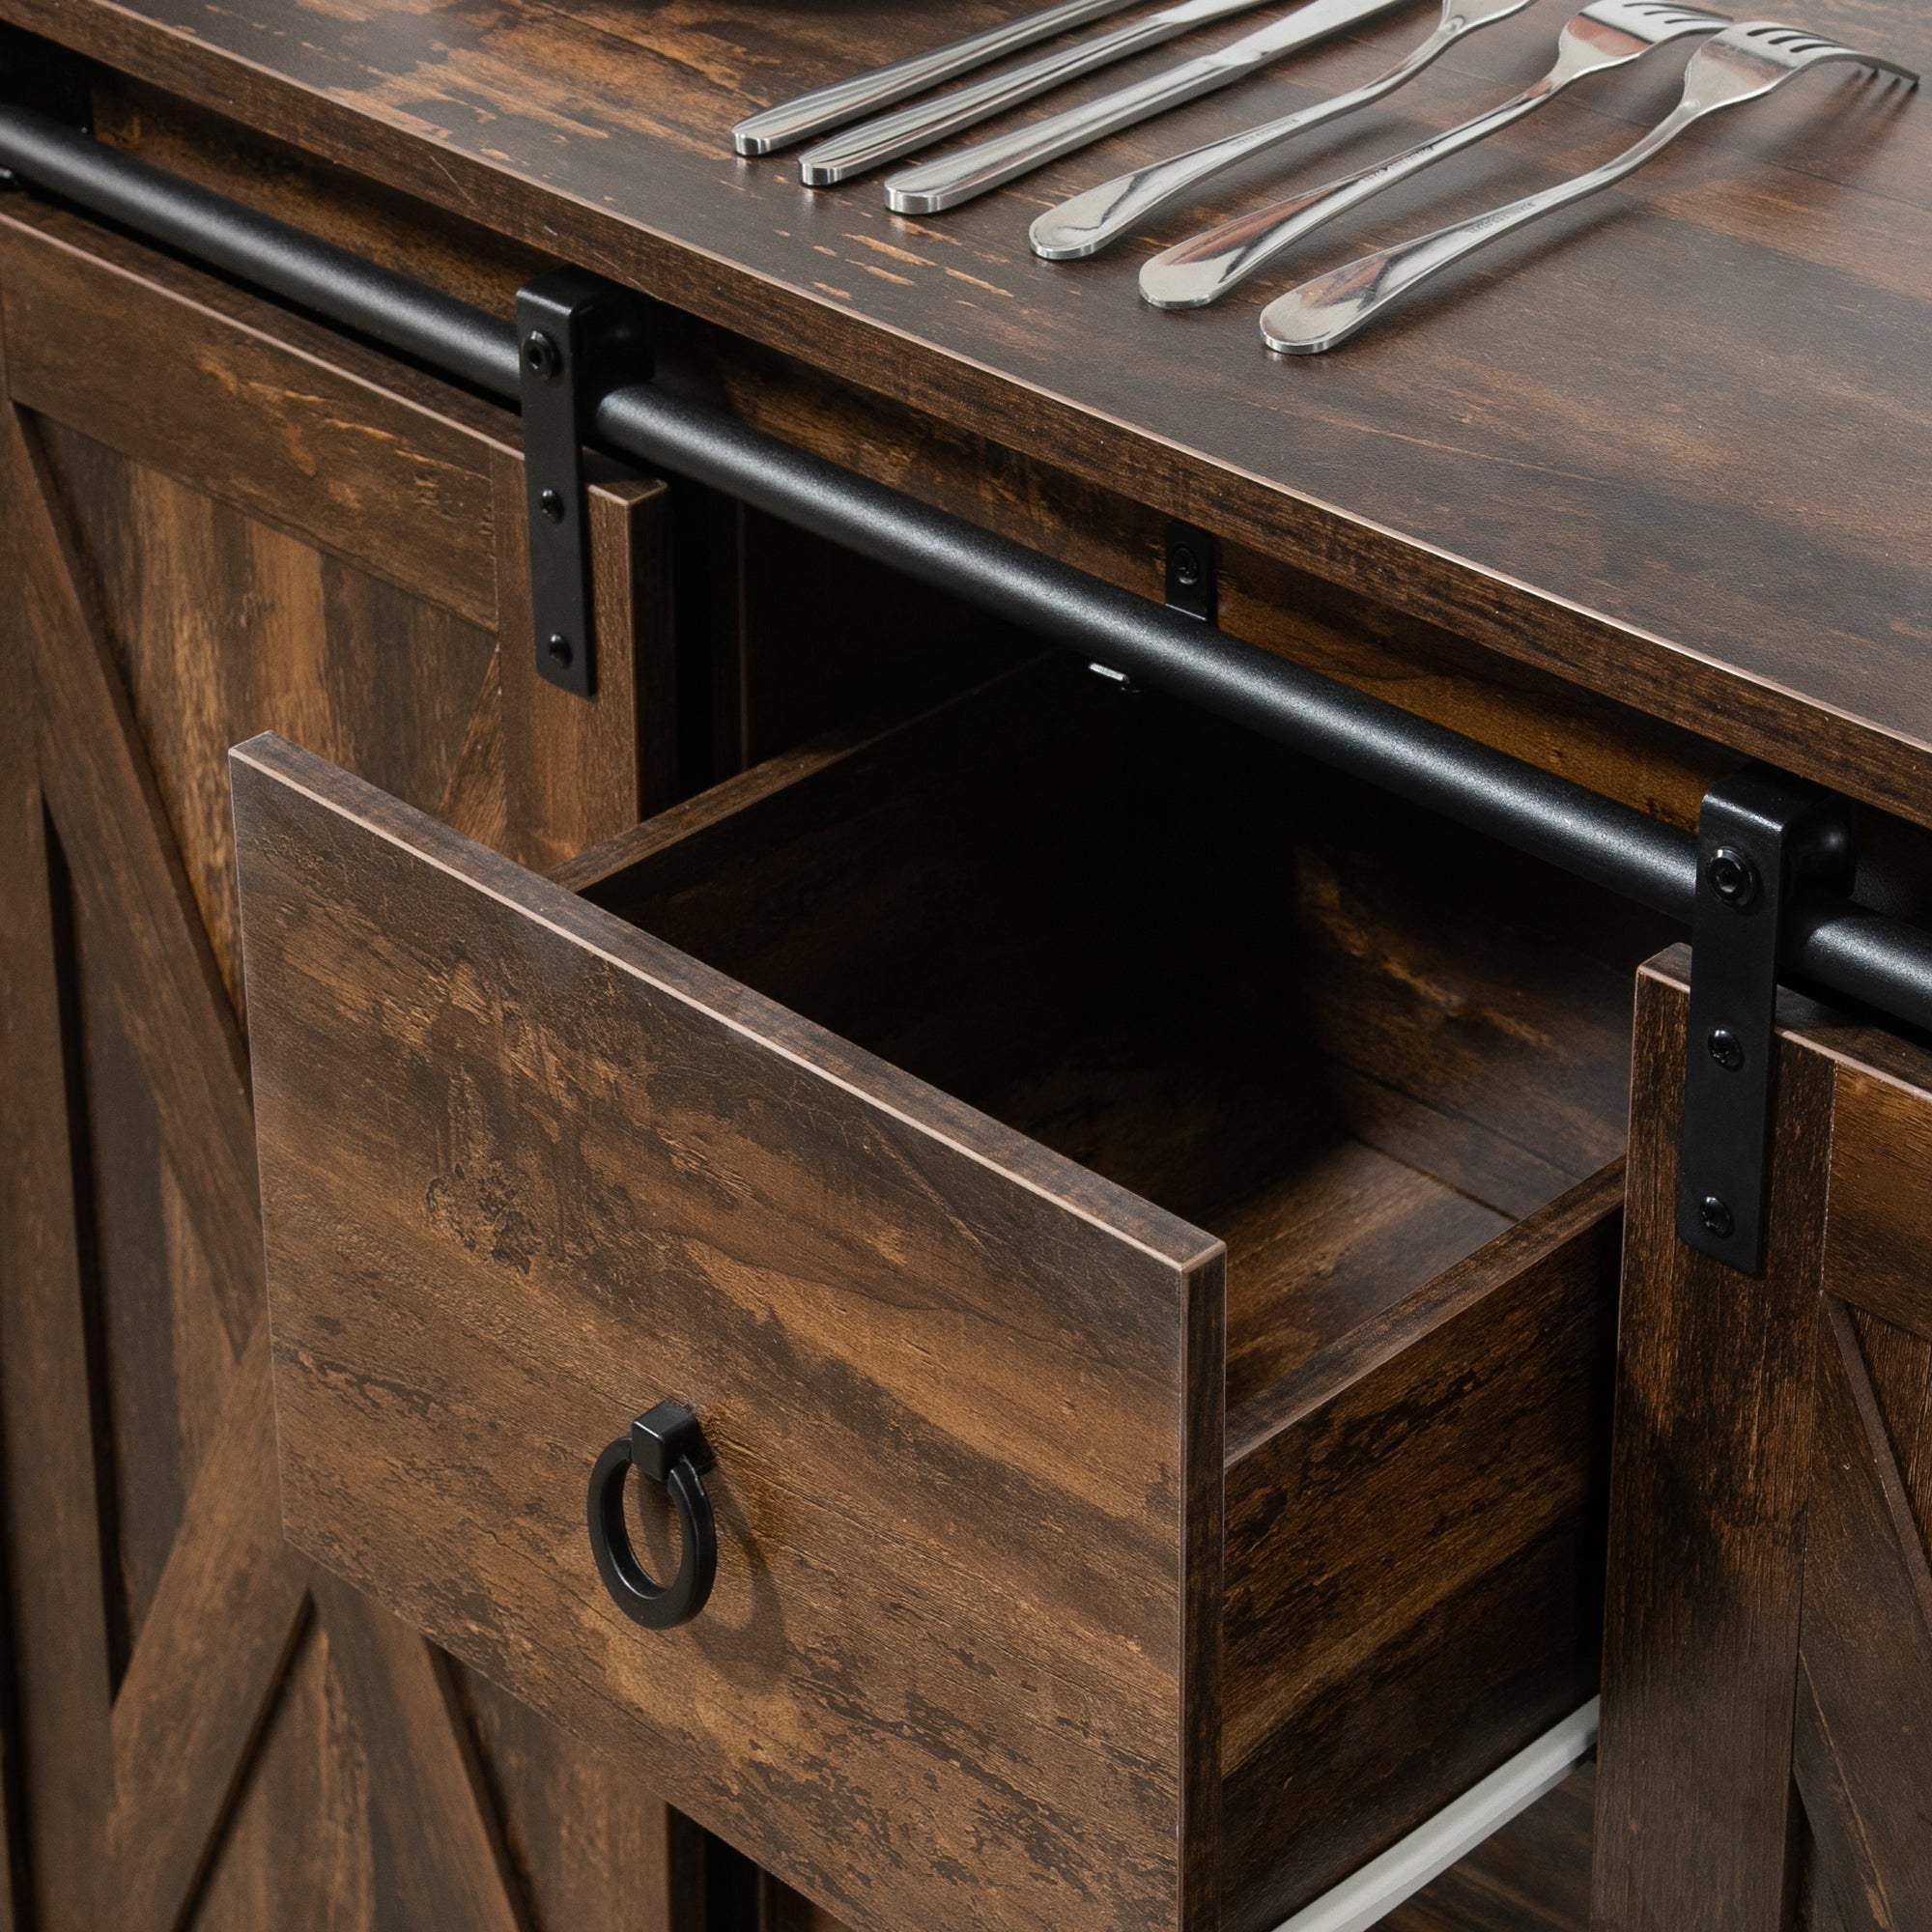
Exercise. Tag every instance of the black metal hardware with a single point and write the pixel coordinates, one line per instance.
(1763, 840)
(1193, 572)
(1842, 947)
(576, 336)
(668, 1446)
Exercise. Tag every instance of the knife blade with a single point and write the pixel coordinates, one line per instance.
(955, 179)
(919, 126)
(825, 108)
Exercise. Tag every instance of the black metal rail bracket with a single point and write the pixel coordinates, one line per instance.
(1829, 942)
(1193, 573)
(577, 338)
(1764, 840)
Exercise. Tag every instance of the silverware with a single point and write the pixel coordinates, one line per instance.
(1742, 64)
(958, 178)
(825, 108)
(1086, 223)
(1604, 35)
(892, 135)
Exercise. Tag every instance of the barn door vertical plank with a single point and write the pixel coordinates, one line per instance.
(1867, 1655)
(1697, 1827)
(60, 1651)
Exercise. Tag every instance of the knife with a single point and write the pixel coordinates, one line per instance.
(892, 135)
(825, 108)
(958, 178)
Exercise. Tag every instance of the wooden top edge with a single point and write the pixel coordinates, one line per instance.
(1788, 712)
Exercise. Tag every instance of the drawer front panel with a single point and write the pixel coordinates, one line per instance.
(527, 1171)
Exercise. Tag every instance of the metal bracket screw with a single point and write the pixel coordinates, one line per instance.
(1193, 572)
(1733, 877)
(541, 356)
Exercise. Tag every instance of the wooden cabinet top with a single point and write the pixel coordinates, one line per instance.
(1672, 444)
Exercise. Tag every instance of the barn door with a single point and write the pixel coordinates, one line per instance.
(1766, 1759)
(215, 520)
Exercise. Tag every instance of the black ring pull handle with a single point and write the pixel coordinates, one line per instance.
(668, 1446)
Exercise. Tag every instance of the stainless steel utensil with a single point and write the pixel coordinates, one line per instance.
(1742, 64)
(921, 125)
(1086, 223)
(958, 178)
(825, 108)
(1607, 34)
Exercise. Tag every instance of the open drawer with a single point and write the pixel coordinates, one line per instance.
(1135, 1217)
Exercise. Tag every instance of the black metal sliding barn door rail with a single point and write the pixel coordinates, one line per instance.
(1762, 900)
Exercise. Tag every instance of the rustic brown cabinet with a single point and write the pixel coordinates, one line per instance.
(1140, 1220)
(1180, 1563)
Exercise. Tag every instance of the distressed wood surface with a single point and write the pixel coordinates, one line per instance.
(192, 1739)
(746, 559)
(1769, 1614)
(464, 1061)
(854, 1261)
(1723, 535)
(1448, 1464)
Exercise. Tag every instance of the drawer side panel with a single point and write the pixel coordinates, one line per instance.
(1415, 1549)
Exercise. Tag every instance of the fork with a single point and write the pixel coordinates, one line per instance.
(1606, 34)
(1084, 225)
(1741, 63)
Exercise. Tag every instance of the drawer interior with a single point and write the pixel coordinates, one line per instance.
(1355, 1042)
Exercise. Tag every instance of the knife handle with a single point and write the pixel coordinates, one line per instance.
(827, 107)
(958, 178)
(919, 126)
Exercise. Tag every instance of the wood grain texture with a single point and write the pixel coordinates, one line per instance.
(221, 625)
(101, 789)
(423, 1769)
(1415, 664)
(194, 1749)
(214, 1646)
(1770, 1617)
(1706, 1574)
(1533, 1876)
(315, 436)
(1865, 1649)
(1468, 465)
(584, 1849)
(978, 897)
(59, 1748)
(823, 1676)
(1414, 1525)
(1880, 1237)
(581, 770)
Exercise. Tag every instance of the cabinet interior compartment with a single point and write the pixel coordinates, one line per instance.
(1352, 1040)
